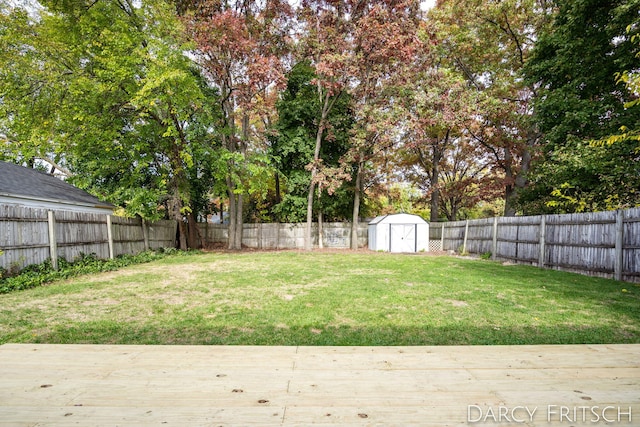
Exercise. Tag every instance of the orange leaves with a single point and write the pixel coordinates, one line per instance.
(237, 48)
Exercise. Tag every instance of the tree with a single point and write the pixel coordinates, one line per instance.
(239, 46)
(325, 44)
(119, 104)
(384, 45)
(293, 143)
(29, 87)
(439, 155)
(467, 180)
(489, 43)
(575, 63)
(433, 125)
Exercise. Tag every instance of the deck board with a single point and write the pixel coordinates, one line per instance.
(64, 385)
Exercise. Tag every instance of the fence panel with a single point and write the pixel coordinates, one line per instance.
(518, 239)
(286, 235)
(25, 235)
(128, 236)
(454, 235)
(581, 242)
(162, 234)
(603, 244)
(80, 233)
(480, 236)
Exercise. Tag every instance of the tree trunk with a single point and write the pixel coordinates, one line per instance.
(356, 206)
(454, 213)
(434, 184)
(278, 195)
(438, 150)
(312, 185)
(231, 143)
(194, 239)
(328, 102)
(510, 192)
(232, 216)
(182, 235)
(175, 212)
(434, 205)
(510, 195)
(239, 222)
(307, 229)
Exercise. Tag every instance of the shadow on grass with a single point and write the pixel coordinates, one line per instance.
(616, 296)
(113, 333)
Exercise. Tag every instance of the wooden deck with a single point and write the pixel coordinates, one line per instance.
(91, 385)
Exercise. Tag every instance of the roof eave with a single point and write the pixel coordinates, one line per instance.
(58, 201)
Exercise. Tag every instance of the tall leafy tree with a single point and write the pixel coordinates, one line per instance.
(439, 155)
(385, 43)
(490, 43)
(575, 63)
(119, 103)
(326, 44)
(356, 47)
(240, 46)
(293, 144)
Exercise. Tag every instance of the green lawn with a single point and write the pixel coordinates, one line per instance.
(324, 298)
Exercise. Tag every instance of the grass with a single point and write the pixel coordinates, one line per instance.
(318, 298)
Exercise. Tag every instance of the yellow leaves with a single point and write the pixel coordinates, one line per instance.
(625, 135)
(568, 195)
(187, 158)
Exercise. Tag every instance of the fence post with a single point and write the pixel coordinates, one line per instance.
(494, 244)
(543, 231)
(110, 237)
(442, 237)
(145, 233)
(464, 242)
(53, 244)
(619, 254)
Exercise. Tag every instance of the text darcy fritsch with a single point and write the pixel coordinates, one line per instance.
(552, 414)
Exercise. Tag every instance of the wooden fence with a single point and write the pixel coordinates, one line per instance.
(31, 236)
(605, 244)
(286, 236)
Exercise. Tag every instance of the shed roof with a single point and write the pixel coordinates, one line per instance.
(25, 183)
(399, 218)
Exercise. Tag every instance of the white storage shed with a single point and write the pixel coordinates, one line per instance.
(399, 233)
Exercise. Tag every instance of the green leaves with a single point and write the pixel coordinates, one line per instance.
(293, 143)
(107, 90)
(583, 110)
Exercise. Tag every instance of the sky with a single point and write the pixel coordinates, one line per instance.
(427, 4)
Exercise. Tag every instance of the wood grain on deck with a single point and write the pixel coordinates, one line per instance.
(562, 385)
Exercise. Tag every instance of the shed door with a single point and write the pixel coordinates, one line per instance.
(403, 238)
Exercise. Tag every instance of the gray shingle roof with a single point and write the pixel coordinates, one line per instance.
(19, 181)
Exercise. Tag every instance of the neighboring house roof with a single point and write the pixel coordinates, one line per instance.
(34, 188)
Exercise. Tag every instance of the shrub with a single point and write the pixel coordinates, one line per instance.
(39, 274)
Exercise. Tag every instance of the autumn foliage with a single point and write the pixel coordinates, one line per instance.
(325, 109)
